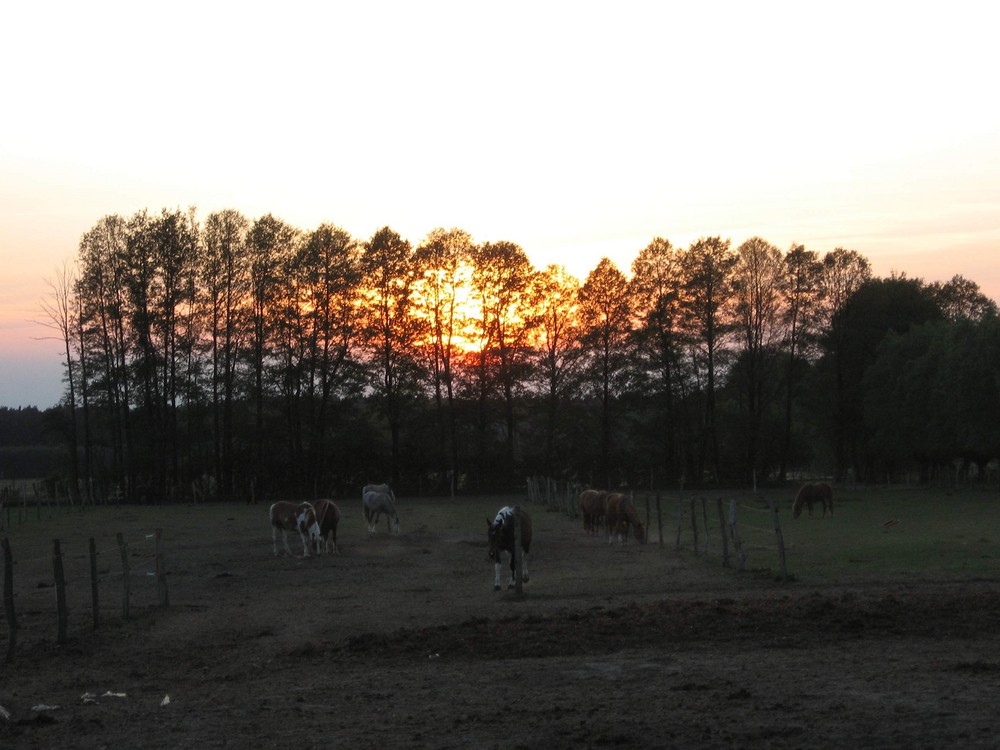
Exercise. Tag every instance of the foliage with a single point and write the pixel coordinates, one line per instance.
(265, 360)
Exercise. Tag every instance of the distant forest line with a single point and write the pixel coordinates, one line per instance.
(233, 358)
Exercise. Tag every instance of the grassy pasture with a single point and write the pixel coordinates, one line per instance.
(877, 534)
(941, 534)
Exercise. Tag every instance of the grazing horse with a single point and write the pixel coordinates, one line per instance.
(620, 513)
(592, 509)
(378, 488)
(288, 516)
(377, 502)
(820, 492)
(500, 535)
(327, 516)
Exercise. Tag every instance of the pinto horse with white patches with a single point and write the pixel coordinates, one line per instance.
(288, 516)
(327, 516)
(620, 513)
(501, 539)
(376, 502)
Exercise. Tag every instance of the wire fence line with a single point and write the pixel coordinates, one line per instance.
(65, 586)
(696, 522)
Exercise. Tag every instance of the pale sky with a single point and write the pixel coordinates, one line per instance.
(577, 130)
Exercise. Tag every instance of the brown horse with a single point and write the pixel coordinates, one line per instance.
(500, 536)
(620, 513)
(592, 509)
(327, 516)
(819, 492)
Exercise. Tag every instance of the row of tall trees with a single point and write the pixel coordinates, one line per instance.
(251, 358)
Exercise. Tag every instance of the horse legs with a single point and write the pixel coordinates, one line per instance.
(305, 544)
(496, 574)
(513, 570)
(284, 538)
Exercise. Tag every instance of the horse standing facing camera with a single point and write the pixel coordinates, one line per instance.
(500, 535)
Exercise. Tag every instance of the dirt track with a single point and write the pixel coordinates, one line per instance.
(401, 642)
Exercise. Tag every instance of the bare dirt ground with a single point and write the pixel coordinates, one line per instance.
(401, 642)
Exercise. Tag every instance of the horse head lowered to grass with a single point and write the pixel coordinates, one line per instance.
(620, 514)
(377, 499)
(810, 494)
(500, 537)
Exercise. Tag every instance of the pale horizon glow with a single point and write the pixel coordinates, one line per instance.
(575, 130)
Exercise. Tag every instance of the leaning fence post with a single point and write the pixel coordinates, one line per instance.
(645, 537)
(8, 599)
(659, 518)
(123, 548)
(694, 526)
(781, 540)
(518, 558)
(741, 557)
(93, 582)
(722, 530)
(680, 520)
(704, 518)
(161, 571)
(62, 614)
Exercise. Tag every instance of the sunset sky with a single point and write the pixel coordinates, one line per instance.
(577, 130)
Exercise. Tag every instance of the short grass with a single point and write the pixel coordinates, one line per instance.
(890, 533)
(876, 534)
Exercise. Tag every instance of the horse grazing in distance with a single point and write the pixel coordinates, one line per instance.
(620, 513)
(288, 516)
(375, 502)
(378, 488)
(500, 535)
(818, 492)
(592, 509)
(327, 516)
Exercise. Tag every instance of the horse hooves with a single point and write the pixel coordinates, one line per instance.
(525, 579)
(497, 587)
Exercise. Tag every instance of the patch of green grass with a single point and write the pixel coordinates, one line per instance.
(879, 533)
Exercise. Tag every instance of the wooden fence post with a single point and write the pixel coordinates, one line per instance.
(8, 599)
(781, 540)
(722, 530)
(123, 548)
(704, 518)
(161, 571)
(659, 518)
(741, 558)
(61, 613)
(645, 537)
(518, 558)
(694, 526)
(93, 583)
(680, 520)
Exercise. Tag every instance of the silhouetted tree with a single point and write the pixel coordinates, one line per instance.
(605, 321)
(558, 354)
(443, 269)
(707, 267)
(655, 294)
(392, 331)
